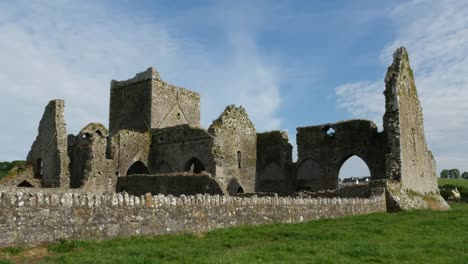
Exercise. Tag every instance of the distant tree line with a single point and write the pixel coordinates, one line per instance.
(453, 174)
(6, 166)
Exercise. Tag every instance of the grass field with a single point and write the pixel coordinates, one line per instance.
(405, 237)
(457, 182)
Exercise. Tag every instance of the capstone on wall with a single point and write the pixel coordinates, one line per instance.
(48, 155)
(408, 160)
(322, 151)
(235, 150)
(146, 102)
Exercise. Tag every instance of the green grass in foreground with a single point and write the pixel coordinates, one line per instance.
(405, 237)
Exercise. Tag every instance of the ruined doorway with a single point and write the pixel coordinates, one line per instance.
(194, 165)
(354, 170)
(38, 168)
(137, 168)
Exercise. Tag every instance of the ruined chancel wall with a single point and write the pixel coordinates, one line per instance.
(322, 151)
(48, 155)
(408, 160)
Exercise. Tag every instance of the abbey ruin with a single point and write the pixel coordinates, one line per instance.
(155, 146)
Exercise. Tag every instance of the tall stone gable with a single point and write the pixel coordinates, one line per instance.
(409, 161)
(235, 150)
(145, 102)
(48, 154)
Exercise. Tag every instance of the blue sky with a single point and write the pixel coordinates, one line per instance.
(289, 63)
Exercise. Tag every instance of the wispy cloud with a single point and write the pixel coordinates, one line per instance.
(71, 50)
(436, 36)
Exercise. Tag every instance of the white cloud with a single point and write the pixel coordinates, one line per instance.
(71, 50)
(436, 36)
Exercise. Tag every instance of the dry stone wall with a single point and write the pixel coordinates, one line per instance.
(29, 217)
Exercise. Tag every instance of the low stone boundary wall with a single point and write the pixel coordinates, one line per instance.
(29, 217)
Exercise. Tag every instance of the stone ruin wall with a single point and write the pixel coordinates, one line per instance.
(33, 216)
(48, 155)
(146, 102)
(176, 149)
(172, 106)
(323, 149)
(90, 167)
(275, 168)
(235, 150)
(129, 147)
(174, 184)
(409, 160)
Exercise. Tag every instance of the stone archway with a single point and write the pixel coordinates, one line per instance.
(354, 170)
(194, 165)
(137, 167)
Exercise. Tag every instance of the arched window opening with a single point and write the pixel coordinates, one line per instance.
(194, 165)
(329, 132)
(99, 132)
(239, 159)
(137, 168)
(38, 168)
(353, 171)
(234, 187)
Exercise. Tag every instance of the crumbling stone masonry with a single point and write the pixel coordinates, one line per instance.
(324, 149)
(48, 155)
(155, 144)
(146, 102)
(408, 160)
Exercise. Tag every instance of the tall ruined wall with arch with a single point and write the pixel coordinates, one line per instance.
(322, 151)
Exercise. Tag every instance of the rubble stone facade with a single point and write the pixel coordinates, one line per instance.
(155, 144)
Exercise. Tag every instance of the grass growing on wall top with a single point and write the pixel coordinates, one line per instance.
(405, 237)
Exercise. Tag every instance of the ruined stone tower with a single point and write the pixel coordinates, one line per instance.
(145, 102)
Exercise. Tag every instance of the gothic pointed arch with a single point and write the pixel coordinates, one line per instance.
(137, 167)
(194, 165)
